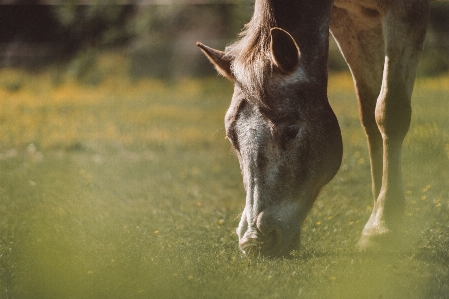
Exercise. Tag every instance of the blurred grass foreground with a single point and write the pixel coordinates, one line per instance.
(121, 188)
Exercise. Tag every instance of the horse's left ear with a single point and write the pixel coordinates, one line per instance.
(219, 60)
(284, 50)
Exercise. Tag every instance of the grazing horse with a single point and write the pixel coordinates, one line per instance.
(282, 127)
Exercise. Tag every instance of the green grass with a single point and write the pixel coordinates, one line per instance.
(129, 190)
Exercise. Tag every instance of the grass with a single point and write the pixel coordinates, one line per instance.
(129, 190)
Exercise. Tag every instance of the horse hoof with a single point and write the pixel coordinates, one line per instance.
(385, 241)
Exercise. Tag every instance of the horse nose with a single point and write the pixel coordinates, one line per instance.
(256, 244)
(262, 239)
(266, 223)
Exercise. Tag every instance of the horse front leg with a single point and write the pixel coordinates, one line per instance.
(405, 25)
(362, 44)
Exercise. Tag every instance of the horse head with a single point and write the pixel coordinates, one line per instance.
(286, 137)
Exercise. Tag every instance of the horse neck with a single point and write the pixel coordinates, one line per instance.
(308, 22)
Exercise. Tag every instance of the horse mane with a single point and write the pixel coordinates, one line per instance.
(251, 53)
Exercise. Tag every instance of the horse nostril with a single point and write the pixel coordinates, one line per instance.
(263, 237)
(265, 223)
(255, 243)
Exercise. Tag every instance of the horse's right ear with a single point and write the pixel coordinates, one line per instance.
(284, 50)
(219, 60)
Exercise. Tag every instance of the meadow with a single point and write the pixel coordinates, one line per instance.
(128, 189)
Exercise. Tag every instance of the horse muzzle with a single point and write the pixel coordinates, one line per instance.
(254, 243)
(268, 236)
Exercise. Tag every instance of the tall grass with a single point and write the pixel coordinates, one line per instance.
(129, 190)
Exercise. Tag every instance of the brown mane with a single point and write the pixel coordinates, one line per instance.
(251, 53)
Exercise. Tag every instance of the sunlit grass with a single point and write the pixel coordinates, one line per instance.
(54, 116)
(128, 189)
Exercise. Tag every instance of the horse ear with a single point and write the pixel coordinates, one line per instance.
(219, 60)
(284, 50)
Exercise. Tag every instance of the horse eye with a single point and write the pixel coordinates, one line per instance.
(289, 133)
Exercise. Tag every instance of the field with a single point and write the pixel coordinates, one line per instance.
(129, 190)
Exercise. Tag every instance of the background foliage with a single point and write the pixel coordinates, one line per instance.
(159, 36)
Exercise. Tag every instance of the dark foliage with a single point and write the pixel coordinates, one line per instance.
(159, 39)
(36, 35)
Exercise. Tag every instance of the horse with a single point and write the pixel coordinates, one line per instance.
(285, 133)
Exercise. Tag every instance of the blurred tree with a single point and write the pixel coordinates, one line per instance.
(102, 23)
(35, 35)
(27, 33)
(158, 35)
(86, 29)
(166, 35)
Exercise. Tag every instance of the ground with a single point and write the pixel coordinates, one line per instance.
(129, 190)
